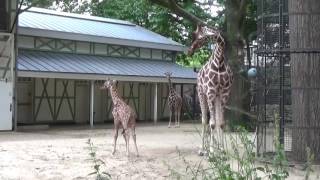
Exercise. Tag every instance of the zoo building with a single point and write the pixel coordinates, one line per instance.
(63, 59)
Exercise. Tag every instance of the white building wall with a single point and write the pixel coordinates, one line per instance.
(82, 102)
(81, 47)
(25, 42)
(80, 92)
(24, 96)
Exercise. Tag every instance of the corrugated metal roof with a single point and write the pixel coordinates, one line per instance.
(50, 22)
(39, 61)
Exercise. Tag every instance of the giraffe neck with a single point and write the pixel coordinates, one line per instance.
(171, 89)
(115, 96)
(217, 56)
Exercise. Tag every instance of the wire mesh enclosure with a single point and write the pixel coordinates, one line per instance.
(272, 84)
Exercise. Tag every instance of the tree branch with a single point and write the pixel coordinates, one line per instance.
(30, 6)
(175, 8)
(242, 7)
(207, 4)
(242, 15)
(19, 11)
(16, 17)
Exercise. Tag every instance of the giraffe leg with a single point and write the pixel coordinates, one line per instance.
(126, 138)
(176, 118)
(212, 123)
(170, 117)
(115, 139)
(203, 106)
(223, 105)
(222, 122)
(179, 115)
(133, 132)
(219, 122)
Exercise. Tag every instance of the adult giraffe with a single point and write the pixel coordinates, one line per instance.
(213, 83)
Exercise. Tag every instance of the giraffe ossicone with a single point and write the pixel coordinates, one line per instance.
(214, 82)
(123, 116)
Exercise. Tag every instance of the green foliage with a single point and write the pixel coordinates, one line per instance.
(154, 18)
(133, 11)
(64, 5)
(220, 160)
(250, 21)
(196, 61)
(280, 163)
(242, 154)
(310, 159)
(97, 163)
(38, 3)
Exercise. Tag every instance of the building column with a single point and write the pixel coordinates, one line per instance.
(155, 103)
(194, 101)
(91, 102)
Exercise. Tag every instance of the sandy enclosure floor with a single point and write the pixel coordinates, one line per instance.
(62, 152)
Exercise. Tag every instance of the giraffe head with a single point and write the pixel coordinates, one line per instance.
(168, 74)
(109, 84)
(201, 35)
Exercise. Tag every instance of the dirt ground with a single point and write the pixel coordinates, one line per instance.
(62, 153)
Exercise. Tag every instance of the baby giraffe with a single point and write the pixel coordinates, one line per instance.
(123, 116)
(174, 102)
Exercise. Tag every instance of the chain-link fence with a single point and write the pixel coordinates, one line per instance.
(272, 84)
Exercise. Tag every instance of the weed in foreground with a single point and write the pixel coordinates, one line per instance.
(308, 165)
(242, 154)
(97, 163)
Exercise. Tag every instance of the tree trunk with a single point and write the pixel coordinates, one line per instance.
(235, 56)
(235, 16)
(304, 28)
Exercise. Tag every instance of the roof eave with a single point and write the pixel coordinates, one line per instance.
(85, 76)
(98, 39)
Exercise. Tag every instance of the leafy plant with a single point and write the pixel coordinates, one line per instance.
(197, 60)
(280, 163)
(310, 159)
(97, 163)
(279, 167)
(242, 154)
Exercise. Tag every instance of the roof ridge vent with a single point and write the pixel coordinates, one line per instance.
(78, 16)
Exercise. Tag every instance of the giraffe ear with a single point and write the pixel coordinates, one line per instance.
(199, 27)
(114, 81)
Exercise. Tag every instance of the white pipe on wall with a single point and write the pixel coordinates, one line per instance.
(91, 102)
(155, 103)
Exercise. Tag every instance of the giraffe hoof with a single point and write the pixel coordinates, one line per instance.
(113, 153)
(169, 126)
(212, 126)
(201, 153)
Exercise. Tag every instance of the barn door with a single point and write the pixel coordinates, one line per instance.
(5, 105)
(6, 80)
